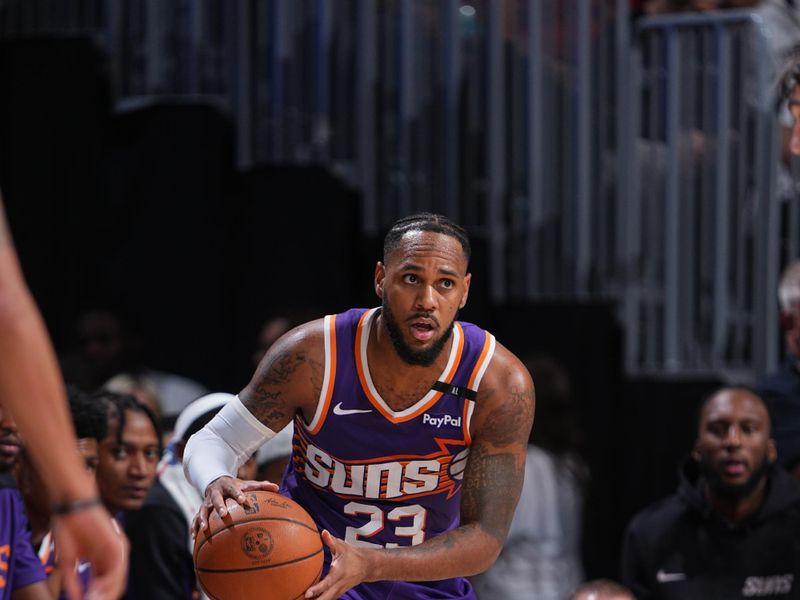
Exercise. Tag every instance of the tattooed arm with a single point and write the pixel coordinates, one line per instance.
(287, 381)
(492, 483)
(289, 378)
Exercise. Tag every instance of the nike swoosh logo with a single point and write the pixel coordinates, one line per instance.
(663, 577)
(338, 410)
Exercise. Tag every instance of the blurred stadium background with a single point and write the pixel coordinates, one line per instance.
(201, 165)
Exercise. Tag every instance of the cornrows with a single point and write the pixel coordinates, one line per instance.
(425, 222)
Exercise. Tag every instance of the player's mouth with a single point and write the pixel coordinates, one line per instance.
(733, 467)
(9, 447)
(423, 329)
(135, 492)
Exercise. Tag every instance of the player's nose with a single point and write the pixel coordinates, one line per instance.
(426, 298)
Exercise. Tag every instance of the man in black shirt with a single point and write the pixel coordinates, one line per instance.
(733, 528)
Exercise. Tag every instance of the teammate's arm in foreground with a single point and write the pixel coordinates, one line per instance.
(32, 390)
(492, 483)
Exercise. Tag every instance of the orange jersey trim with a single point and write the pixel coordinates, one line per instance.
(487, 352)
(377, 402)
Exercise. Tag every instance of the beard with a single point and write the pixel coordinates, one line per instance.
(732, 493)
(420, 358)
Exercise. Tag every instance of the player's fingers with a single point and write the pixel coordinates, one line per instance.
(71, 584)
(267, 486)
(103, 586)
(316, 591)
(218, 502)
(109, 570)
(330, 541)
(233, 489)
(201, 519)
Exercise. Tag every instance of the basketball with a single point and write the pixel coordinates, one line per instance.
(270, 549)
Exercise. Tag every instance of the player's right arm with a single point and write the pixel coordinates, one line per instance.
(288, 380)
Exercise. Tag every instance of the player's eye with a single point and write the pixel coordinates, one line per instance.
(447, 283)
(410, 278)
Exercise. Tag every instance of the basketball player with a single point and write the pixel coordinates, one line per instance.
(31, 389)
(410, 428)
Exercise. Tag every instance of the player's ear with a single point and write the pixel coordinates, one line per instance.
(465, 295)
(380, 276)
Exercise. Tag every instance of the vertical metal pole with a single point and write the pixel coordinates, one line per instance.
(495, 119)
(583, 213)
(405, 74)
(533, 258)
(113, 35)
(320, 145)
(276, 114)
(628, 89)
(451, 76)
(153, 40)
(196, 12)
(242, 85)
(365, 56)
(672, 206)
(723, 202)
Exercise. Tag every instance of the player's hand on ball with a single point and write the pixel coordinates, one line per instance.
(348, 569)
(222, 488)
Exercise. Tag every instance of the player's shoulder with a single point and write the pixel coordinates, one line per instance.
(314, 331)
(506, 370)
(658, 517)
(307, 336)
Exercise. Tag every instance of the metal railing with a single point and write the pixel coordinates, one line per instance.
(598, 158)
(701, 246)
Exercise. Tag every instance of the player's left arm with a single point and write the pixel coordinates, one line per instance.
(493, 478)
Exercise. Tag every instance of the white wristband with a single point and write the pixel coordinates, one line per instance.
(223, 445)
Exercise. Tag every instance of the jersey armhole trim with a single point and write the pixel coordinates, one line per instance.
(475, 379)
(329, 378)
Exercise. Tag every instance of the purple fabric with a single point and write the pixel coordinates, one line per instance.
(385, 480)
(19, 565)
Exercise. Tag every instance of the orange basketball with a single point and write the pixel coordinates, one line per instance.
(271, 549)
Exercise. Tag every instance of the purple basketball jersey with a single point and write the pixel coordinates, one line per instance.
(379, 478)
(19, 565)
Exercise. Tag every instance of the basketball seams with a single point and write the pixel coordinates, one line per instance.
(250, 520)
(260, 567)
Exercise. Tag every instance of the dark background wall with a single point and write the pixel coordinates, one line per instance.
(144, 211)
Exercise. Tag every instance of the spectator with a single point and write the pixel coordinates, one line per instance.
(782, 389)
(541, 556)
(161, 546)
(89, 420)
(602, 589)
(129, 454)
(22, 576)
(107, 347)
(732, 529)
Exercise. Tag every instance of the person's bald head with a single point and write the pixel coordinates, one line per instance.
(602, 589)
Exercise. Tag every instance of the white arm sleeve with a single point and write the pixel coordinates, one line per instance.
(223, 445)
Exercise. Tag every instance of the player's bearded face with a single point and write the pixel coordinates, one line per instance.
(728, 491)
(423, 357)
